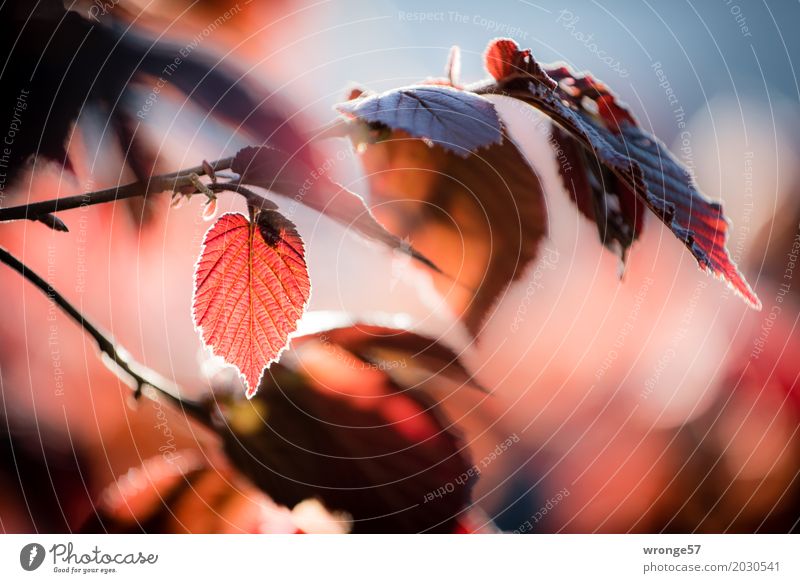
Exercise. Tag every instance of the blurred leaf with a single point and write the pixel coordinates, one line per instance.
(43, 477)
(480, 219)
(184, 493)
(60, 68)
(251, 287)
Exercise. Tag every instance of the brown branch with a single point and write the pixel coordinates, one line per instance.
(113, 354)
(253, 198)
(39, 211)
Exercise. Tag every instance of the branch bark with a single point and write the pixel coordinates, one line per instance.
(113, 354)
(39, 211)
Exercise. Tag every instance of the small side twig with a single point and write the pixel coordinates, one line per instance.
(140, 374)
(39, 211)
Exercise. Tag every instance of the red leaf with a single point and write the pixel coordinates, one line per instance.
(458, 121)
(599, 194)
(251, 287)
(499, 58)
(505, 61)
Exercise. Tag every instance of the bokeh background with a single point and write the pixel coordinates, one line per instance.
(653, 402)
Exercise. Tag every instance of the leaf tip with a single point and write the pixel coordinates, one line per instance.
(53, 222)
(744, 291)
(453, 68)
(250, 390)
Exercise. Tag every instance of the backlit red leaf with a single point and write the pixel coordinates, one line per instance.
(499, 58)
(251, 287)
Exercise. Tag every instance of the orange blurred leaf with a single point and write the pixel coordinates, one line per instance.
(480, 219)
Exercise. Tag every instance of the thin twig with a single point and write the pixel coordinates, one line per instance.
(253, 199)
(37, 210)
(112, 353)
